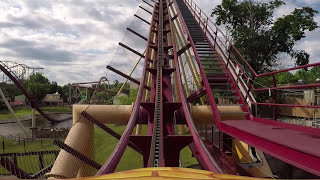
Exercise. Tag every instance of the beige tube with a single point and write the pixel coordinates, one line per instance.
(109, 114)
(80, 138)
(203, 114)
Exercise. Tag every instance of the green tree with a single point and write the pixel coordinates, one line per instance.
(314, 74)
(309, 76)
(10, 89)
(131, 98)
(286, 78)
(54, 87)
(259, 36)
(38, 85)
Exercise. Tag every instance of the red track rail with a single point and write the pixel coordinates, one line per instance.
(24, 90)
(113, 160)
(293, 144)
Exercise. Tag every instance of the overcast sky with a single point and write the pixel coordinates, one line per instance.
(74, 40)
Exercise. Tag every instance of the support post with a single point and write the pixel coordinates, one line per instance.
(274, 98)
(33, 119)
(120, 90)
(12, 112)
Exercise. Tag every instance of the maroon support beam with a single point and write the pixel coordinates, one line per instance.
(132, 50)
(145, 10)
(110, 92)
(42, 172)
(92, 82)
(108, 130)
(77, 154)
(174, 17)
(13, 169)
(139, 35)
(127, 77)
(196, 95)
(142, 19)
(147, 3)
(184, 49)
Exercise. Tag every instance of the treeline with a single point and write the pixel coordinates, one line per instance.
(299, 77)
(39, 85)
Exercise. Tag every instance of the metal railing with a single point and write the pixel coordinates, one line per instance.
(244, 75)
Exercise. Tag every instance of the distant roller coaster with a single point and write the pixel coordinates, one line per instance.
(22, 71)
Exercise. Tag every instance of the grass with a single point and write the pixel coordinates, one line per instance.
(30, 163)
(4, 115)
(103, 147)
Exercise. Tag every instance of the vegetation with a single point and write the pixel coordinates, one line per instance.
(259, 36)
(38, 85)
(103, 147)
(104, 144)
(29, 163)
(4, 115)
(131, 97)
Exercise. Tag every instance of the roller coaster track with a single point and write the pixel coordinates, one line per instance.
(224, 74)
(161, 146)
(222, 77)
(293, 144)
(34, 103)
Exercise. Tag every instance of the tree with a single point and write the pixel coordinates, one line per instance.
(10, 89)
(38, 85)
(54, 87)
(309, 76)
(285, 78)
(131, 98)
(259, 36)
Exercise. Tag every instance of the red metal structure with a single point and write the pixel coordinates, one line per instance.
(34, 103)
(224, 74)
(222, 69)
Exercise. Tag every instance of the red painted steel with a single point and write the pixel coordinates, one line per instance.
(117, 153)
(288, 105)
(208, 161)
(289, 147)
(262, 133)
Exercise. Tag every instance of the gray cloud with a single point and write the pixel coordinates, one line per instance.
(32, 50)
(75, 40)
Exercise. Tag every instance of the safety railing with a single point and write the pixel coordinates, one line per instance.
(244, 75)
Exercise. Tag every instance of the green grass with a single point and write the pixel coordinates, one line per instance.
(4, 115)
(30, 163)
(103, 147)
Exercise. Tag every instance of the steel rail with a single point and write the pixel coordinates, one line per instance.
(288, 105)
(238, 53)
(305, 86)
(291, 155)
(213, 104)
(113, 160)
(289, 69)
(25, 91)
(156, 157)
(208, 161)
(246, 78)
(238, 91)
(219, 30)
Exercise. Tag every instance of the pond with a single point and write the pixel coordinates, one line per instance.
(15, 130)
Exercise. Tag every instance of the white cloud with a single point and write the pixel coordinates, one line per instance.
(74, 40)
